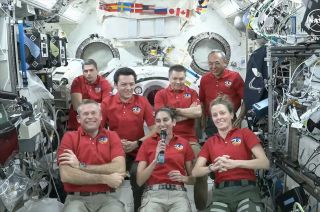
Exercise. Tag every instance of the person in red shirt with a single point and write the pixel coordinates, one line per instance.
(234, 154)
(87, 86)
(220, 80)
(126, 114)
(92, 163)
(165, 179)
(185, 102)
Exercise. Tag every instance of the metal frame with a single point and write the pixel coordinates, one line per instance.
(194, 41)
(287, 164)
(96, 39)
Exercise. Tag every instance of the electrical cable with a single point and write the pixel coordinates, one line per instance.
(313, 155)
(297, 207)
(5, 12)
(51, 165)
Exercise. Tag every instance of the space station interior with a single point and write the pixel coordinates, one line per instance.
(273, 44)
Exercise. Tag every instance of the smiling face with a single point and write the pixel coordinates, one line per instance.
(221, 117)
(216, 64)
(177, 80)
(164, 121)
(89, 117)
(90, 73)
(125, 87)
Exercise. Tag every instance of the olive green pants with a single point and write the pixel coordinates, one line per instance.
(237, 199)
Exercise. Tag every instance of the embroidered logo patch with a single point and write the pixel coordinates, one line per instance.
(178, 147)
(97, 89)
(236, 141)
(187, 95)
(103, 139)
(136, 109)
(227, 83)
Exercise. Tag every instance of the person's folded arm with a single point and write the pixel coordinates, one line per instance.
(76, 176)
(192, 112)
(260, 160)
(117, 164)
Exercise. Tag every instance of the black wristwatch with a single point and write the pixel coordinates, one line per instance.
(139, 142)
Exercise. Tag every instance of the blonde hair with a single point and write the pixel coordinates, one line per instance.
(223, 100)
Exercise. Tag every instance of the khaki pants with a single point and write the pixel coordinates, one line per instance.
(95, 203)
(165, 201)
(200, 191)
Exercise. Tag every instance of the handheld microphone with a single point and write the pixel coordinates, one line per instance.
(163, 137)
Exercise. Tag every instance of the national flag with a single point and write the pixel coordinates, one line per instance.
(179, 12)
(161, 11)
(202, 6)
(183, 13)
(149, 9)
(199, 10)
(136, 8)
(124, 6)
(109, 7)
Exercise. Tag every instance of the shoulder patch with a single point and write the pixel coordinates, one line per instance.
(178, 147)
(227, 83)
(136, 109)
(103, 139)
(236, 141)
(187, 95)
(97, 89)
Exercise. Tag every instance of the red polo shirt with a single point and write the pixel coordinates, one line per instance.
(230, 84)
(127, 118)
(96, 91)
(99, 150)
(177, 153)
(179, 99)
(237, 145)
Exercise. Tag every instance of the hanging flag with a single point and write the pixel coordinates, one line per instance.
(136, 8)
(202, 6)
(161, 11)
(109, 7)
(185, 13)
(124, 6)
(148, 9)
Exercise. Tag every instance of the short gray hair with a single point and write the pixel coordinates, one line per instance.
(220, 52)
(86, 102)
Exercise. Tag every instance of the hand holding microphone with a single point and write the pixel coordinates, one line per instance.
(161, 146)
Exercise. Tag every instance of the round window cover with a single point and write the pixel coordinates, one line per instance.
(99, 49)
(201, 45)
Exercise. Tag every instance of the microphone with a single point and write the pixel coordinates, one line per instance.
(163, 137)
